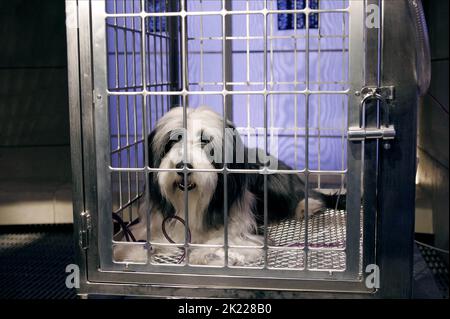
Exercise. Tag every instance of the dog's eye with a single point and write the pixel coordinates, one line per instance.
(206, 141)
(172, 141)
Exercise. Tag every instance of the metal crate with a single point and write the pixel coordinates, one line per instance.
(130, 61)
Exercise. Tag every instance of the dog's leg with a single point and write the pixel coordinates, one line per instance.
(248, 255)
(138, 252)
(314, 206)
(236, 256)
(132, 252)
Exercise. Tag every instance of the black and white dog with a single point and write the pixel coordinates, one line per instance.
(210, 146)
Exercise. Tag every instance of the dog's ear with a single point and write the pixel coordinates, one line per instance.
(154, 154)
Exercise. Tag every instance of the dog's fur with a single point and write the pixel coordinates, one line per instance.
(203, 138)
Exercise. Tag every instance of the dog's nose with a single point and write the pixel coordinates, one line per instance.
(180, 165)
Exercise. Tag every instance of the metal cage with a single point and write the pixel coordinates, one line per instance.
(339, 89)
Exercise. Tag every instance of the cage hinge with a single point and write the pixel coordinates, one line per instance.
(385, 130)
(85, 229)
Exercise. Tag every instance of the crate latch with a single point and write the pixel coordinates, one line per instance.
(385, 130)
(85, 230)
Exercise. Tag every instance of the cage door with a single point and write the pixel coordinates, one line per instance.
(131, 40)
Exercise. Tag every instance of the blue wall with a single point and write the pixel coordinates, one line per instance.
(286, 71)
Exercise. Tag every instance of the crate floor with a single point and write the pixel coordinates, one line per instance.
(326, 241)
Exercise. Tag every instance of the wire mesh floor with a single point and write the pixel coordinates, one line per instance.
(326, 241)
(33, 261)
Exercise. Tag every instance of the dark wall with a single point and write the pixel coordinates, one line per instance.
(33, 73)
(433, 141)
(34, 111)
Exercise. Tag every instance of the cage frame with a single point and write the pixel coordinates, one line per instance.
(391, 175)
(100, 66)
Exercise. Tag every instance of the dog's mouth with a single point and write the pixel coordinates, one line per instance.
(181, 186)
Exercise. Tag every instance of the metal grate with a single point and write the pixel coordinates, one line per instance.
(326, 230)
(435, 261)
(33, 260)
(327, 233)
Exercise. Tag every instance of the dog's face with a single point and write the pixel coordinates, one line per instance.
(200, 146)
(192, 148)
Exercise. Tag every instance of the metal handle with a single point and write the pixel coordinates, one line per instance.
(384, 131)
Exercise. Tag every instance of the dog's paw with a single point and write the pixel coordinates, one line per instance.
(206, 256)
(216, 257)
(130, 253)
(164, 250)
(314, 207)
(244, 257)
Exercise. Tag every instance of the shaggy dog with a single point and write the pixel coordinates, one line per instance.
(193, 181)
